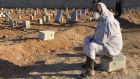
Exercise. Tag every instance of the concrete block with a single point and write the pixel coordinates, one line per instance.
(44, 19)
(46, 35)
(113, 63)
(26, 24)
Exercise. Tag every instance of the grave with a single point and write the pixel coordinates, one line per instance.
(7, 19)
(74, 17)
(31, 17)
(19, 17)
(34, 14)
(48, 18)
(113, 63)
(44, 19)
(54, 15)
(26, 24)
(40, 21)
(13, 23)
(138, 8)
(58, 17)
(46, 35)
(123, 11)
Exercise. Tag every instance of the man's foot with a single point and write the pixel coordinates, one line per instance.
(86, 74)
(84, 66)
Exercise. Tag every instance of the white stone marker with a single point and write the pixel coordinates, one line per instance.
(26, 24)
(40, 21)
(113, 63)
(31, 17)
(46, 35)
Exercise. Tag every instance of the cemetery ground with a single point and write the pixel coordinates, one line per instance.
(23, 55)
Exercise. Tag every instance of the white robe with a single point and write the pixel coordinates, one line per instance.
(107, 39)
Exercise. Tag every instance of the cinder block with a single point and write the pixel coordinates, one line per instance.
(113, 63)
(46, 35)
(26, 24)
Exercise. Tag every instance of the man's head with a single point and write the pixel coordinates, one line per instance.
(97, 9)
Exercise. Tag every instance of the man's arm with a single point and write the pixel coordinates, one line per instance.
(122, 1)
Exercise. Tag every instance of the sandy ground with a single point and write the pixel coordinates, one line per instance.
(23, 55)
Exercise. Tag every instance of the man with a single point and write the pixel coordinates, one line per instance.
(107, 39)
(119, 7)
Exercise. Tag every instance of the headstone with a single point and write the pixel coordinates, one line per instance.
(123, 11)
(46, 35)
(40, 21)
(58, 17)
(138, 8)
(31, 17)
(84, 12)
(7, 19)
(17, 12)
(44, 19)
(48, 18)
(19, 17)
(67, 9)
(26, 24)
(44, 14)
(67, 21)
(74, 17)
(34, 14)
(54, 15)
(62, 19)
(13, 23)
(113, 63)
(26, 11)
(89, 19)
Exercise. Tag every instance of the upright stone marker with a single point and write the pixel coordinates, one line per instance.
(40, 21)
(26, 24)
(123, 11)
(58, 17)
(74, 17)
(138, 8)
(13, 23)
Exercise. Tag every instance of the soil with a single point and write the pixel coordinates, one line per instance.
(23, 55)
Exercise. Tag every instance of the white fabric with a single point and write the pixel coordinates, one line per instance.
(107, 37)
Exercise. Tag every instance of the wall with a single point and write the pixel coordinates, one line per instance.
(61, 3)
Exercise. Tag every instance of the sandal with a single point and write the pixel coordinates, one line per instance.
(86, 74)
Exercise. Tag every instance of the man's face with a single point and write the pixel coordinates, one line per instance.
(97, 8)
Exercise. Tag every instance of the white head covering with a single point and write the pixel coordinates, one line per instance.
(106, 13)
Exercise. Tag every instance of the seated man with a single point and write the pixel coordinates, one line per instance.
(107, 39)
